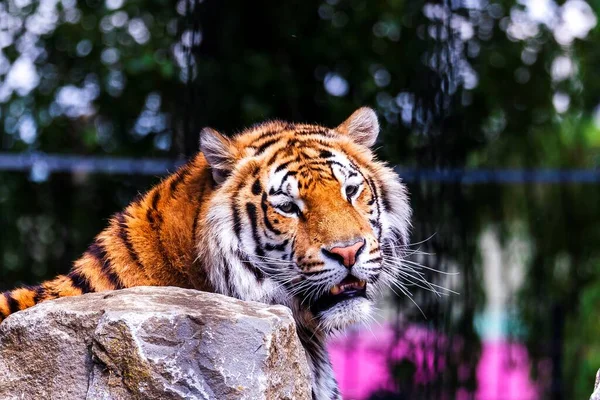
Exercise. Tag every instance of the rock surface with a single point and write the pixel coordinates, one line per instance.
(152, 343)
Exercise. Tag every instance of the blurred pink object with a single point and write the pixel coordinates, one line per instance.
(361, 363)
(503, 372)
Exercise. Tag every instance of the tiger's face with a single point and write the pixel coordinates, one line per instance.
(306, 217)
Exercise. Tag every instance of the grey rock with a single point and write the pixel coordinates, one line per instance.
(152, 343)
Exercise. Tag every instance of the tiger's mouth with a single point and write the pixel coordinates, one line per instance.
(349, 288)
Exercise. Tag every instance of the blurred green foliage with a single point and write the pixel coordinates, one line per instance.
(476, 84)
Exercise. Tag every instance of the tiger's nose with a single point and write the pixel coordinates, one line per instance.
(346, 255)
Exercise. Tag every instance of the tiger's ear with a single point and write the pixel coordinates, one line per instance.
(362, 126)
(219, 153)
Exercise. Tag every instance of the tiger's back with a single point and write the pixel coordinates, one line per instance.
(150, 243)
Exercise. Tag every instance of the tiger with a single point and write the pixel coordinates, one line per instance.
(282, 213)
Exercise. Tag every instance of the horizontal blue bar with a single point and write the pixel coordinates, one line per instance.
(87, 164)
(478, 176)
(159, 166)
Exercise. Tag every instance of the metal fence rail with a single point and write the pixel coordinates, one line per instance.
(47, 164)
(51, 163)
(477, 176)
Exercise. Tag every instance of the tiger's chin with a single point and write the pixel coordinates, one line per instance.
(345, 304)
(345, 313)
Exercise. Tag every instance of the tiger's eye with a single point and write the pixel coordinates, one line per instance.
(289, 208)
(351, 190)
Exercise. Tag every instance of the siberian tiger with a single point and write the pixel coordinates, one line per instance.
(283, 213)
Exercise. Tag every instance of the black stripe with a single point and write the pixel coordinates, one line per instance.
(287, 175)
(155, 199)
(297, 133)
(179, 178)
(155, 219)
(252, 215)
(263, 147)
(376, 198)
(40, 291)
(124, 236)
(274, 157)
(336, 393)
(256, 188)
(314, 273)
(276, 247)
(311, 130)
(387, 205)
(269, 133)
(312, 264)
(375, 278)
(80, 282)
(316, 130)
(151, 212)
(283, 165)
(97, 251)
(321, 170)
(285, 178)
(248, 265)
(237, 220)
(227, 273)
(13, 305)
(375, 223)
(375, 194)
(316, 162)
(332, 162)
(268, 224)
(326, 154)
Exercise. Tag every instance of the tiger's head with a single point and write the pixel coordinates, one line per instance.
(304, 216)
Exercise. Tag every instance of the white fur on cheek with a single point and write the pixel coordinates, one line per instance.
(224, 253)
(395, 221)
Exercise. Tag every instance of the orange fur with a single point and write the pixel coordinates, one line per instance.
(149, 244)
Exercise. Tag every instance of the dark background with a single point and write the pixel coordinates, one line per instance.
(490, 110)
